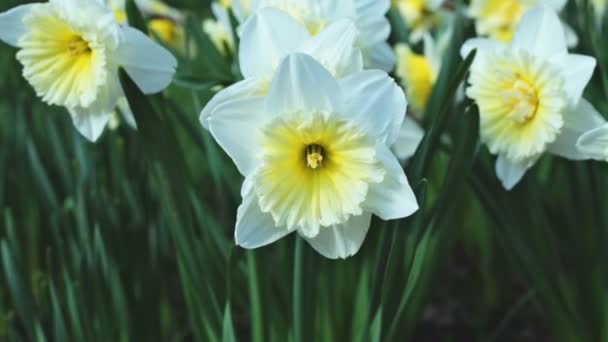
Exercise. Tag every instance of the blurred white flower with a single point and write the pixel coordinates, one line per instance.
(71, 51)
(369, 17)
(529, 95)
(315, 158)
(159, 9)
(220, 29)
(263, 47)
(419, 16)
(499, 18)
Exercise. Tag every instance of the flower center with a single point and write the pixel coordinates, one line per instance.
(78, 46)
(523, 99)
(314, 156)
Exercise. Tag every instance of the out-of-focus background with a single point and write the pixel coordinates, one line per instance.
(130, 239)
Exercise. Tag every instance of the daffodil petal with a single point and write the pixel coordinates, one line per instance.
(335, 49)
(374, 29)
(88, 123)
(479, 44)
(11, 24)
(253, 227)
(149, 65)
(577, 70)
(594, 143)
(381, 56)
(266, 39)
(240, 90)
(393, 198)
(372, 8)
(301, 83)
(376, 102)
(577, 121)
(234, 125)
(510, 173)
(409, 138)
(343, 240)
(541, 33)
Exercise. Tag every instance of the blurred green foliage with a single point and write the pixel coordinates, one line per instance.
(130, 239)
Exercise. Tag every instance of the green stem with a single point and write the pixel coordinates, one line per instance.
(254, 296)
(297, 292)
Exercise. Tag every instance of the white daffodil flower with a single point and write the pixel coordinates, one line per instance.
(369, 17)
(529, 95)
(499, 18)
(220, 29)
(71, 51)
(315, 158)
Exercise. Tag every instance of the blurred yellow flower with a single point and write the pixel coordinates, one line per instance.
(499, 18)
(417, 74)
(168, 32)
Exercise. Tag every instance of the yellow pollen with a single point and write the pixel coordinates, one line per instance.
(524, 101)
(78, 46)
(314, 156)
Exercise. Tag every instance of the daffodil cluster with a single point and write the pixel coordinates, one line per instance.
(316, 126)
(309, 127)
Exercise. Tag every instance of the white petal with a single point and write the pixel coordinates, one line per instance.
(556, 5)
(266, 38)
(372, 8)
(393, 198)
(302, 84)
(380, 56)
(571, 36)
(240, 90)
(91, 121)
(126, 112)
(510, 173)
(344, 240)
(576, 71)
(373, 30)
(335, 49)
(481, 44)
(594, 143)
(409, 138)
(11, 24)
(88, 123)
(376, 102)
(541, 33)
(234, 125)
(577, 121)
(253, 227)
(149, 65)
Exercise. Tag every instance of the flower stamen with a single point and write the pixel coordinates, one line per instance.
(78, 46)
(314, 156)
